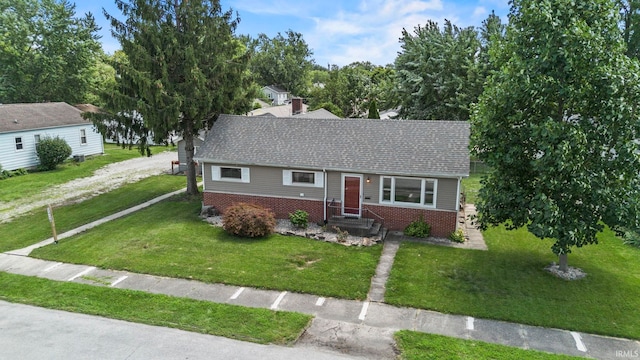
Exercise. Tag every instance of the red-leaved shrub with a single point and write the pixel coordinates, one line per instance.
(248, 220)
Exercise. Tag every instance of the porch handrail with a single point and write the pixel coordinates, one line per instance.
(366, 213)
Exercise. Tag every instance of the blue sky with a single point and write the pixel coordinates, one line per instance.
(338, 32)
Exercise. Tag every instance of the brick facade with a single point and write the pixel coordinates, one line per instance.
(395, 218)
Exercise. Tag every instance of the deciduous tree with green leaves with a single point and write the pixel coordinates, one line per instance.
(183, 67)
(558, 125)
(47, 53)
(282, 60)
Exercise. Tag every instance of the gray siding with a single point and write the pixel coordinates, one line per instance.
(447, 194)
(182, 153)
(265, 181)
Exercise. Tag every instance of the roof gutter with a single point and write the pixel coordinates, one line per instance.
(311, 168)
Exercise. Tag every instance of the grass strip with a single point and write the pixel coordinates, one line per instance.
(19, 187)
(34, 227)
(509, 283)
(247, 324)
(170, 239)
(420, 346)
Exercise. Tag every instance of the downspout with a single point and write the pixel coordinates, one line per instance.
(204, 183)
(324, 204)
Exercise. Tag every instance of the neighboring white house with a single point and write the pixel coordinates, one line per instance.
(278, 95)
(22, 126)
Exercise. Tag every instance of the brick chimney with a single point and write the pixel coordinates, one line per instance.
(296, 106)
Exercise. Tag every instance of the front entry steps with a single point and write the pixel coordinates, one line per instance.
(355, 226)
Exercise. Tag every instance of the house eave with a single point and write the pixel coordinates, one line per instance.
(336, 169)
(45, 128)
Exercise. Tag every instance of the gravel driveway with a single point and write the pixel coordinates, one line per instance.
(103, 180)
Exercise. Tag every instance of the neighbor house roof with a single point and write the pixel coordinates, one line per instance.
(276, 88)
(317, 114)
(20, 117)
(400, 147)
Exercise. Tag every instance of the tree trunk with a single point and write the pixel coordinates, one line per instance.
(564, 266)
(192, 184)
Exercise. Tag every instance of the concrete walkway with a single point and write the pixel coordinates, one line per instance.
(357, 328)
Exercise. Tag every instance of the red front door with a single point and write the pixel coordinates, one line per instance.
(351, 195)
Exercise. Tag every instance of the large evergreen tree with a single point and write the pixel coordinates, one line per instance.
(558, 125)
(47, 53)
(182, 67)
(436, 72)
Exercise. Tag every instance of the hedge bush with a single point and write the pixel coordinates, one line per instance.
(248, 220)
(299, 218)
(418, 228)
(52, 152)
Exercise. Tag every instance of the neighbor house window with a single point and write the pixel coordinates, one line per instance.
(402, 190)
(302, 178)
(230, 173)
(83, 137)
(19, 145)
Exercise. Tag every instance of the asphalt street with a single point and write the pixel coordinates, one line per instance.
(30, 332)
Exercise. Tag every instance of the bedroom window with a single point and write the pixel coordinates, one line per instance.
(230, 173)
(414, 191)
(83, 137)
(302, 178)
(19, 144)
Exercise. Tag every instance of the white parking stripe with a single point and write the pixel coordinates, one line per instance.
(52, 267)
(120, 279)
(363, 312)
(236, 294)
(85, 272)
(470, 323)
(320, 301)
(277, 302)
(579, 343)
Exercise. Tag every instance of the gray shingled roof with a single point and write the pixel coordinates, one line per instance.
(400, 147)
(19, 117)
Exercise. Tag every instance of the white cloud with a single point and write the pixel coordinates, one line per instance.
(479, 11)
(371, 32)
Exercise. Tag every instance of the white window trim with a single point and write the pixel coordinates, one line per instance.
(86, 140)
(318, 178)
(407, 204)
(36, 141)
(215, 174)
(15, 143)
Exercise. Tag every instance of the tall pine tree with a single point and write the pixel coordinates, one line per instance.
(182, 67)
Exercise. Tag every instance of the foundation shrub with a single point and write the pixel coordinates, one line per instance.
(299, 218)
(418, 228)
(248, 220)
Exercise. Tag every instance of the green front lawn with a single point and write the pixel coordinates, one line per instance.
(509, 283)
(169, 239)
(420, 346)
(34, 227)
(19, 187)
(236, 322)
